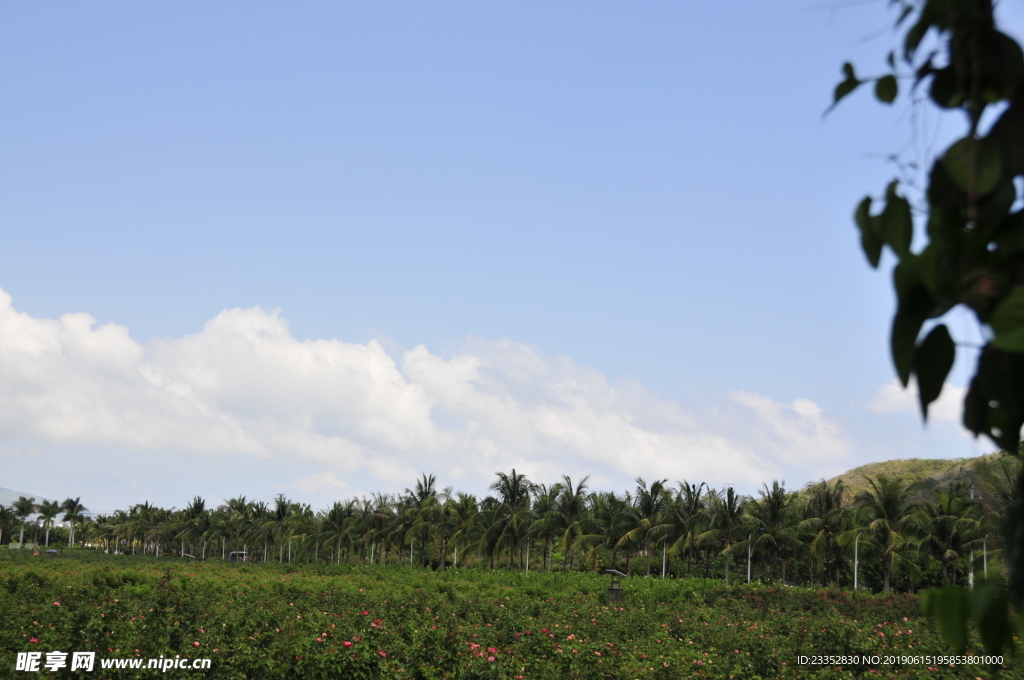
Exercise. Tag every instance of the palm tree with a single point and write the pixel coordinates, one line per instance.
(464, 513)
(887, 517)
(726, 515)
(684, 519)
(513, 515)
(23, 507)
(73, 510)
(946, 522)
(771, 520)
(648, 506)
(420, 502)
(7, 517)
(545, 510)
(611, 514)
(48, 510)
(572, 518)
(826, 517)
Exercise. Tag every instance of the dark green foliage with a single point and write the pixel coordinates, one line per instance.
(974, 257)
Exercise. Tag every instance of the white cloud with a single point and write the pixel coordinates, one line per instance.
(894, 398)
(245, 385)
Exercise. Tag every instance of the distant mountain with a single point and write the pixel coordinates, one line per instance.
(8, 496)
(922, 473)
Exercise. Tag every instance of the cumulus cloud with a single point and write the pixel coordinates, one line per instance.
(244, 385)
(894, 398)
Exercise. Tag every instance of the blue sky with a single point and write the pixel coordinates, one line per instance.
(583, 238)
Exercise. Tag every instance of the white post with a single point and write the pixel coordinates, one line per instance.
(455, 560)
(750, 539)
(970, 574)
(855, 561)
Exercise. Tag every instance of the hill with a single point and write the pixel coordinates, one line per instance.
(8, 496)
(923, 473)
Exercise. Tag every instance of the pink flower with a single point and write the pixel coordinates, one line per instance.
(366, 613)
(34, 641)
(319, 639)
(195, 644)
(346, 643)
(490, 658)
(56, 604)
(382, 653)
(491, 649)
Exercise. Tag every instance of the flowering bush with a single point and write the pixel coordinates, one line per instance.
(267, 621)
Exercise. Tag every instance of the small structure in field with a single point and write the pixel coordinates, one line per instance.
(615, 592)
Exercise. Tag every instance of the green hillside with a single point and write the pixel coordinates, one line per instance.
(923, 473)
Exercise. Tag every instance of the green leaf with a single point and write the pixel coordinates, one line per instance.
(994, 405)
(1008, 322)
(848, 85)
(914, 308)
(895, 225)
(886, 89)
(986, 164)
(869, 239)
(991, 612)
(948, 606)
(1011, 235)
(944, 89)
(932, 361)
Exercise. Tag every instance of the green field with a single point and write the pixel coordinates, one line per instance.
(325, 621)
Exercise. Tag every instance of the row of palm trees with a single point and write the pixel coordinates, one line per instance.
(820, 534)
(19, 512)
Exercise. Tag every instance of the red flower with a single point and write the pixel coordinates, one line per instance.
(366, 613)
(195, 644)
(382, 653)
(346, 643)
(56, 604)
(34, 641)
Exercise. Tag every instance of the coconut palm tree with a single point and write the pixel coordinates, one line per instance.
(48, 510)
(572, 518)
(726, 512)
(612, 515)
(946, 523)
(648, 505)
(7, 518)
(685, 519)
(773, 525)
(418, 510)
(23, 507)
(545, 524)
(464, 512)
(886, 517)
(826, 516)
(513, 516)
(73, 510)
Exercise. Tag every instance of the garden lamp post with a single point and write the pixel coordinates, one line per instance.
(750, 538)
(855, 563)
